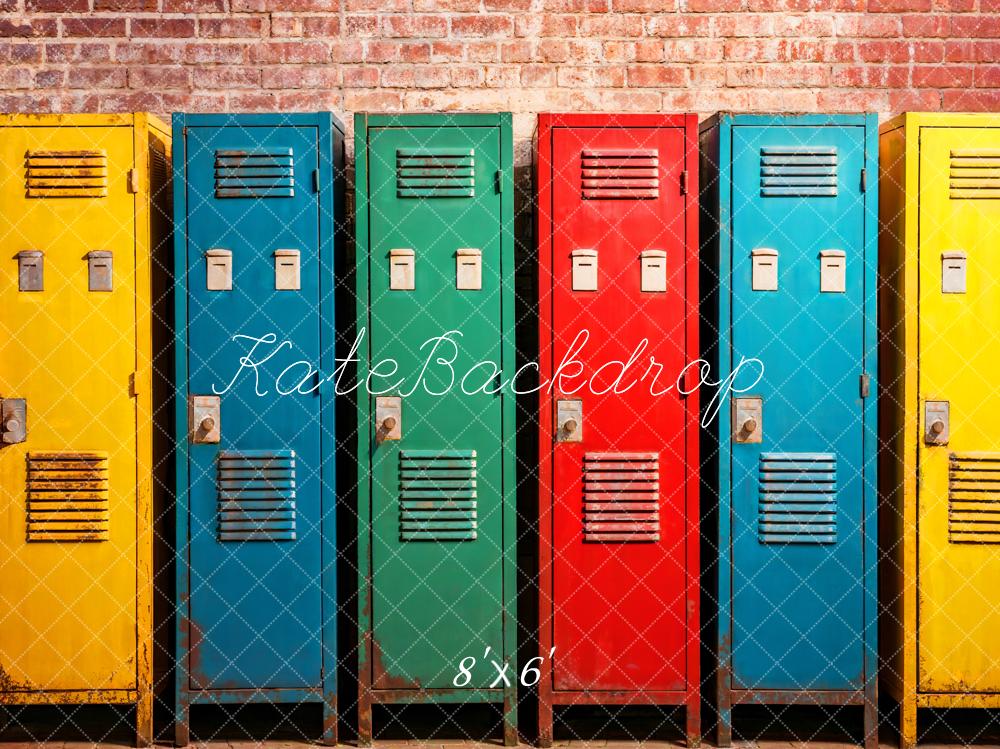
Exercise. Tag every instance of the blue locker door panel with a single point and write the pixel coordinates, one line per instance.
(255, 604)
(797, 498)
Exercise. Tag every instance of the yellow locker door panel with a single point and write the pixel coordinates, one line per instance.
(959, 482)
(68, 605)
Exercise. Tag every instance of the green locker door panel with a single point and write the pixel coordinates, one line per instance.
(438, 592)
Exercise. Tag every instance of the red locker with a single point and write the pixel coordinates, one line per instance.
(618, 449)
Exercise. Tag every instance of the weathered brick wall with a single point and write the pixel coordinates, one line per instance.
(519, 55)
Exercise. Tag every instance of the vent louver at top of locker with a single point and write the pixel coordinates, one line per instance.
(66, 174)
(435, 172)
(798, 172)
(974, 173)
(263, 173)
(620, 174)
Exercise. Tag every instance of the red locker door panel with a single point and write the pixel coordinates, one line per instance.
(619, 612)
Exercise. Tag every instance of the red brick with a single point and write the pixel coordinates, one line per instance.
(362, 26)
(925, 25)
(477, 51)
(55, 6)
(159, 78)
(538, 76)
(49, 78)
(507, 5)
(447, 51)
(482, 25)
(987, 76)
(256, 101)
(972, 101)
(469, 76)
(174, 28)
(356, 76)
(516, 52)
(289, 52)
(899, 6)
(987, 26)
(216, 77)
(125, 6)
(714, 6)
(321, 26)
(311, 76)
(656, 76)
(93, 26)
(78, 77)
(194, 6)
(232, 27)
(415, 26)
(883, 51)
(446, 6)
(347, 51)
(28, 27)
(284, 6)
(942, 76)
(621, 51)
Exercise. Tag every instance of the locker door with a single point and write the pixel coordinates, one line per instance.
(959, 490)
(437, 574)
(618, 497)
(256, 495)
(797, 494)
(69, 589)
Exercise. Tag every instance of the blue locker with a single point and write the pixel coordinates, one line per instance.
(789, 211)
(258, 202)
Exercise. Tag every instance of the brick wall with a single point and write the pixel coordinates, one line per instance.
(519, 55)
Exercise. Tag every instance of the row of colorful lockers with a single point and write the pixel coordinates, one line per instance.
(795, 250)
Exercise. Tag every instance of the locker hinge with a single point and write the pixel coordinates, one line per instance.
(499, 181)
(865, 385)
(684, 182)
(133, 180)
(315, 180)
(864, 180)
(133, 388)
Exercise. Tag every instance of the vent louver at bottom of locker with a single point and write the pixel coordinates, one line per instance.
(256, 495)
(437, 495)
(68, 496)
(621, 497)
(974, 498)
(798, 498)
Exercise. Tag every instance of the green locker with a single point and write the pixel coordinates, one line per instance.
(436, 414)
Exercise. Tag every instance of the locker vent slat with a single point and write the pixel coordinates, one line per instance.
(974, 498)
(621, 493)
(798, 172)
(620, 174)
(67, 496)
(256, 495)
(263, 173)
(974, 173)
(435, 172)
(437, 495)
(66, 174)
(798, 498)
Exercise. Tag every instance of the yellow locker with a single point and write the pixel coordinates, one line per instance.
(939, 312)
(82, 204)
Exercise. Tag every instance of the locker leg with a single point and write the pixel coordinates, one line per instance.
(908, 723)
(144, 718)
(364, 715)
(544, 721)
(871, 715)
(182, 723)
(724, 724)
(693, 718)
(329, 737)
(510, 737)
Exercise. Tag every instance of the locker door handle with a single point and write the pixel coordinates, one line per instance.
(388, 418)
